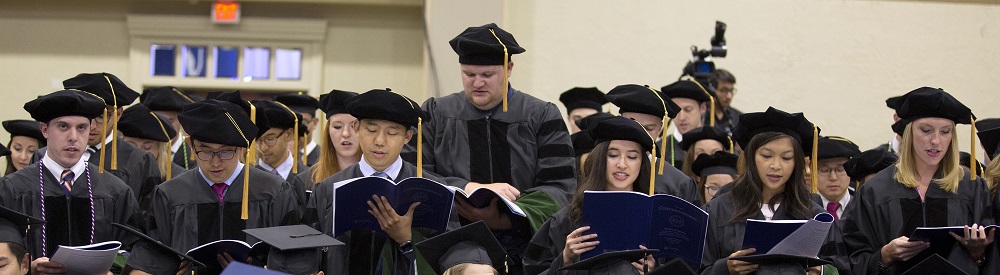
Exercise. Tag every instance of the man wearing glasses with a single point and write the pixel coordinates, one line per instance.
(726, 117)
(833, 182)
(276, 133)
(207, 204)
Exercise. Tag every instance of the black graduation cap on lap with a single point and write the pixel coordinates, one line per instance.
(333, 102)
(990, 139)
(15, 225)
(299, 102)
(642, 99)
(621, 128)
(934, 265)
(166, 98)
(774, 120)
(105, 85)
(677, 266)
(473, 243)
(218, 122)
(295, 249)
(706, 132)
(868, 162)
(65, 103)
(158, 246)
(581, 97)
(720, 162)
(25, 128)
(616, 262)
(485, 45)
(140, 122)
(836, 147)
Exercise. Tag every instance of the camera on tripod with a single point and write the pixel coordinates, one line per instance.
(701, 67)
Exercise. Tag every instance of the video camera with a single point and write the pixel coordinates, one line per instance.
(701, 67)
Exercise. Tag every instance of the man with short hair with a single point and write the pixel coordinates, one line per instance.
(276, 133)
(726, 117)
(833, 184)
(306, 106)
(78, 203)
(693, 101)
(207, 204)
(386, 122)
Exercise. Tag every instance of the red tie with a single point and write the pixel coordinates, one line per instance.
(832, 209)
(220, 190)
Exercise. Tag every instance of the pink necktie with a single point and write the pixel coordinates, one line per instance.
(220, 190)
(832, 209)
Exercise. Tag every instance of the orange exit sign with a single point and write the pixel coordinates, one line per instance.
(226, 12)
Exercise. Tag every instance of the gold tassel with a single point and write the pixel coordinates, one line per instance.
(420, 147)
(295, 137)
(114, 127)
(104, 134)
(972, 150)
(251, 155)
(732, 149)
(164, 129)
(813, 162)
(652, 177)
(506, 60)
(711, 99)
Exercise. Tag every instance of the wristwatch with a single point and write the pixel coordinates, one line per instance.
(406, 247)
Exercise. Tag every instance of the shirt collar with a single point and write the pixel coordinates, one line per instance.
(843, 200)
(229, 181)
(894, 144)
(310, 147)
(177, 144)
(283, 169)
(107, 140)
(392, 171)
(678, 136)
(56, 170)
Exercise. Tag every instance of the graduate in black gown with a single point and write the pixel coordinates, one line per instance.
(219, 199)
(989, 136)
(703, 140)
(150, 132)
(386, 122)
(306, 106)
(168, 101)
(714, 172)
(770, 187)
(925, 188)
(78, 203)
(694, 102)
(25, 139)
(281, 127)
(581, 102)
(619, 162)
(652, 109)
(338, 146)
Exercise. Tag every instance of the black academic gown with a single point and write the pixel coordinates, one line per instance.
(674, 182)
(883, 209)
(176, 170)
(725, 237)
(69, 224)
(339, 257)
(136, 167)
(297, 189)
(834, 249)
(313, 156)
(728, 121)
(185, 213)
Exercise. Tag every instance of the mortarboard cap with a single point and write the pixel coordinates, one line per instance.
(65, 103)
(642, 99)
(677, 266)
(893, 102)
(774, 120)
(25, 128)
(591, 120)
(140, 122)
(621, 128)
(158, 246)
(294, 249)
(238, 268)
(990, 138)
(219, 122)
(706, 132)
(166, 98)
(615, 262)
(582, 143)
(934, 265)
(720, 162)
(987, 123)
(930, 102)
(836, 147)
(333, 102)
(299, 102)
(473, 243)
(274, 115)
(15, 225)
(385, 105)
(105, 85)
(686, 89)
(4, 151)
(485, 45)
(867, 163)
(580, 97)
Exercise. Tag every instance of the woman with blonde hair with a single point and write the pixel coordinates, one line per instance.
(338, 141)
(925, 188)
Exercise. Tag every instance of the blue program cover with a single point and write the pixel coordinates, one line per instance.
(764, 235)
(350, 204)
(624, 220)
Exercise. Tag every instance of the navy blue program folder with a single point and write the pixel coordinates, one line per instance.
(624, 220)
(350, 203)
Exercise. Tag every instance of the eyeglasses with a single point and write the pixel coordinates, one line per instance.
(711, 190)
(223, 155)
(271, 140)
(100, 119)
(826, 171)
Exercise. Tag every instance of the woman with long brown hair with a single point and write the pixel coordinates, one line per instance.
(619, 162)
(925, 188)
(770, 186)
(25, 139)
(338, 141)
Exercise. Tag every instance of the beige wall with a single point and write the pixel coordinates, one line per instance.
(834, 60)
